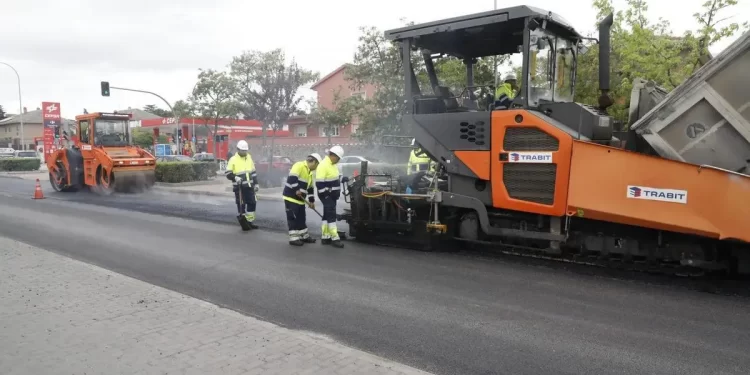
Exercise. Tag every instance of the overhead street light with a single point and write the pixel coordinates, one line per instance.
(20, 104)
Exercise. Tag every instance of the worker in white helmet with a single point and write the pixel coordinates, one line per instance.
(241, 171)
(329, 190)
(506, 92)
(298, 187)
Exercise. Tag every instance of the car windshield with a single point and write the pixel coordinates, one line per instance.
(27, 154)
(111, 133)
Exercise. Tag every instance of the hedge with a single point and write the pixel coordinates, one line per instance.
(174, 172)
(19, 164)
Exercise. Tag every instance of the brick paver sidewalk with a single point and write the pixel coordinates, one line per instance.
(61, 316)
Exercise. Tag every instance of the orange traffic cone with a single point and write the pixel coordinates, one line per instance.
(38, 194)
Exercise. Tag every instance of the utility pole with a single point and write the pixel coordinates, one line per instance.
(20, 105)
(176, 119)
(495, 59)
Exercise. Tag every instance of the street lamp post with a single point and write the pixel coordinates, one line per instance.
(20, 104)
(495, 60)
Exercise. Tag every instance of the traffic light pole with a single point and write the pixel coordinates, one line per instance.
(176, 120)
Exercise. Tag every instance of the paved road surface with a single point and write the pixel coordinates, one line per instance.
(443, 313)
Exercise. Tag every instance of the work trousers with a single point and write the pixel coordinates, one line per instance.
(296, 220)
(248, 197)
(328, 228)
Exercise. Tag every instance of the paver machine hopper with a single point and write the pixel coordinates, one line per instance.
(101, 156)
(705, 120)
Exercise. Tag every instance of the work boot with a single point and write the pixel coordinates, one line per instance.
(251, 225)
(308, 240)
(337, 243)
(296, 243)
(326, 241)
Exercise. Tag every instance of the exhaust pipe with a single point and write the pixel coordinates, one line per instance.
(604, 68)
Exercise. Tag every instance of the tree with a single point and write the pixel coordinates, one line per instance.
(267, 87)
(340, 115)
(213, 99)
(151, 108)
(183, 108)
(377, 62)
(145, 138)
(2, 112)
(642, 49)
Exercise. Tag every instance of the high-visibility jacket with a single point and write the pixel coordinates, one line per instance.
(327, 180)
(505, 94)
(300, 179)
(244, 167)
(419, 161)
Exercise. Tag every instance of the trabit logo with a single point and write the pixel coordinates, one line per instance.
(635, 192)
(51, 108)
(514, 157)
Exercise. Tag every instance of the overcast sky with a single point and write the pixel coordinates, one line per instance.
(63, 49)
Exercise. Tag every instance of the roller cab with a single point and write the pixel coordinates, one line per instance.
(101, 157)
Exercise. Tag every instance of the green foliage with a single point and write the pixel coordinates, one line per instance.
(175, 172)
(19, 164)
(2, 112)
(643, 49)
(144, 138)
(151, 108)
(377, 62)
(341, 114)
(213, 99)
(183, 108)
(267, 86)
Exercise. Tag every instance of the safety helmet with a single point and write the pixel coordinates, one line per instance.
(337, 150)
(316, 156)
(510, 77)
(242, 145)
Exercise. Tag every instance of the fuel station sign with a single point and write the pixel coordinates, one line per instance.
(52, 118)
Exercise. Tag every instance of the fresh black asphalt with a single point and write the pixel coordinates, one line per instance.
(445, 313)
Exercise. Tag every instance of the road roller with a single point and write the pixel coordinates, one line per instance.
(100, 156)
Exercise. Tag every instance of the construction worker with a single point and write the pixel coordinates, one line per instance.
(506, 92)
(241, 171)
(329, 191)
(418, 160)
(300, 185)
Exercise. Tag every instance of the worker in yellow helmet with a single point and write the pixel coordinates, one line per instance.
(506, 92)
(241, 171)
(298, 187)
(418, 161)
(329, 190)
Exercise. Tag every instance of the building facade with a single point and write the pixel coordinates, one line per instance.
(33, 129)
(303, 132)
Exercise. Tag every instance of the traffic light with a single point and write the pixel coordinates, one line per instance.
(105, 88)
(179, 133)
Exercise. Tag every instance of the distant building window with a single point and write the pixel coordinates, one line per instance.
(300, 131)
(354, 129)
(333, 129)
